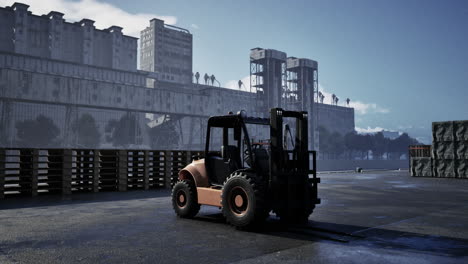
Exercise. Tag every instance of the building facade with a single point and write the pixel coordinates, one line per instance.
(167, 50)
(50, 36)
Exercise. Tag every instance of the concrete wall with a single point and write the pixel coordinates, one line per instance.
(338, 165)
(335, 118)
(64, 92)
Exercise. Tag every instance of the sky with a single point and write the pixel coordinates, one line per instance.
(403, 64)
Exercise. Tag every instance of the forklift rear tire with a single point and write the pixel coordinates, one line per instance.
(185, 199)
(243, 200)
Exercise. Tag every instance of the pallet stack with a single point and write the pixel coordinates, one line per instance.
(52, 171)
(17, 172)
(109, 170)
(85, 170)
(31, 172)
(448, 154)
(179, 159)
(137, 170)
(156, 169)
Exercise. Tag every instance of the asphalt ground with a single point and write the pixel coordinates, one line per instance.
(372, 217)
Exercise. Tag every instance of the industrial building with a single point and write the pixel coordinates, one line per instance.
(87, 95)
(50, 36)
(168, 50)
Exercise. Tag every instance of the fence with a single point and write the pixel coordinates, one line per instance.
(33, 172)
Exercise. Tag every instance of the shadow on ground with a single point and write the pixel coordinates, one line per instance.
(357, 236)
(18, 202)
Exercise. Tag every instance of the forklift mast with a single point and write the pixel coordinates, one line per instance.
(289, 182)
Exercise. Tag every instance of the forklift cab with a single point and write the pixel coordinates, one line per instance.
(229, 147)
(223, 147)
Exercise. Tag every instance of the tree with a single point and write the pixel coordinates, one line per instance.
(87, 132)
(350, 144)
(400, 144)
(37, 133)
(336, 143)
(324, 141)
(123, 132)
(379, 145)
(164, 136)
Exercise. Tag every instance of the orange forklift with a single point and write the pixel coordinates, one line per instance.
(252, 166)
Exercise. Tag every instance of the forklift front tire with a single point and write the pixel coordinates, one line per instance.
(185, 199)
(243, 200)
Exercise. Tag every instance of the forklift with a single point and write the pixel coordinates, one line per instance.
(249, 170)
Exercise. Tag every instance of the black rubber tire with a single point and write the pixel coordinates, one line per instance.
(254, 209)
(188, 206)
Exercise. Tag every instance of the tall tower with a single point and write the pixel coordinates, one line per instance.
(20, 30)
(56, 37)
(267, 78)
(167, 50)
(87, 27)
(302, 91)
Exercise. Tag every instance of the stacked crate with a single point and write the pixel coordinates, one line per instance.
(85, 170)
(137, 170)
(421, 161)
(50, 171)
(17, 172)
(156, 160)
(443, 150)
(2, 173)
(109, 170)
(461, 148)
(179, 159)
(450, 149)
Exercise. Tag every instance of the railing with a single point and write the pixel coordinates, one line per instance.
(33, 172)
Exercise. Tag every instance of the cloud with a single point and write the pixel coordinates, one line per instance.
(369, 130)
(363, 108)
(105, 14)
(359, 107)
(233, 84)
(195, 26)
(405, 127)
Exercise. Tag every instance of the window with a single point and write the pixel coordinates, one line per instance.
(216, 139)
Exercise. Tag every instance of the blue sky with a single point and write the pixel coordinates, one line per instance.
(403, 63)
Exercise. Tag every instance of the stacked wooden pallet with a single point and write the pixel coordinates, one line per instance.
(65, 171)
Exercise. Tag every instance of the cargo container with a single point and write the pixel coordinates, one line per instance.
(442, 131)
(461, 149)
(443, 168)
(461, 130)
(462, 168)
(443, 150)
(421, 167)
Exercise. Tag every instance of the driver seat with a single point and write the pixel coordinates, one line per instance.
(232, 155)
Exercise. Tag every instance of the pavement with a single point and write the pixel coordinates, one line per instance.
(371, 217)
